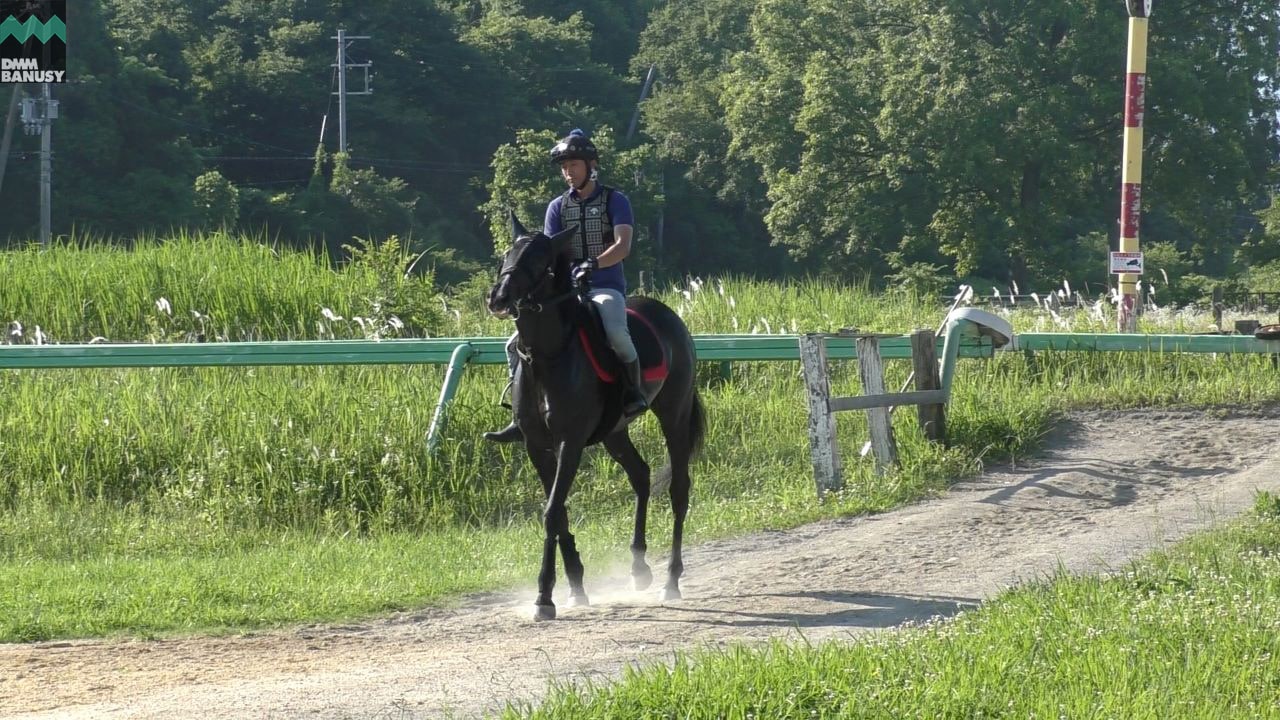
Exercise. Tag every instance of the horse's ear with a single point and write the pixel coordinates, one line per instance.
(560, 241)
(517, 229)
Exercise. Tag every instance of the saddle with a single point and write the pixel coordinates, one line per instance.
(649, 348)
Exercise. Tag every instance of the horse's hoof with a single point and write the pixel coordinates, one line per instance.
(579, 600)
(669, 594)
(544, 612)
(640, 580)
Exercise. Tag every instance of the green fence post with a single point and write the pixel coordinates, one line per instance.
(457, 365)
(956, 328)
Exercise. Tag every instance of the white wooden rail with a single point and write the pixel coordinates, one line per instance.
(929, 397)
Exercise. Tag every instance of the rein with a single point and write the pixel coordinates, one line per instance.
(539, 306)
(549, 302)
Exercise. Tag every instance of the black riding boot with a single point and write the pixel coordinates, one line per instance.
(633, 401)
(510, 433)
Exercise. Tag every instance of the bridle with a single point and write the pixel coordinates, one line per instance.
(537, 280)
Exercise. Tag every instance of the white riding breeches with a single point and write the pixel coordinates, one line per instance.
(613, 315)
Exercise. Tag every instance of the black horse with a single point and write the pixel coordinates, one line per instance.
(563, 405)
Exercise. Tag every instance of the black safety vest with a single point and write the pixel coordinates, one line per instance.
(595, 227)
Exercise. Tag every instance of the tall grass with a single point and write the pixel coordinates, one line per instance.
(180, 288)
(125, 475)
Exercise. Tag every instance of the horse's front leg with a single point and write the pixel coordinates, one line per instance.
(555, 522)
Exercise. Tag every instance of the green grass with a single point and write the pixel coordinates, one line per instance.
(142, 578)
(153, 501)
(1189, 633)
(212, 287)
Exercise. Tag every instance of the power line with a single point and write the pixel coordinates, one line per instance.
(385, 162)
(459, 170)
(207, 129)
(298, 181)
(257, 157)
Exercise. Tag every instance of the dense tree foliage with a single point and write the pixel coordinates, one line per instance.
(906, 140)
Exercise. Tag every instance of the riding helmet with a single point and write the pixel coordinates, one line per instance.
(574, 146)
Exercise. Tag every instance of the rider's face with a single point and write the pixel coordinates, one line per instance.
(574, 171)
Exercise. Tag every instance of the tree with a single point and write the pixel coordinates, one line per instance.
(217, 200)
(714, 196)
(989, 132)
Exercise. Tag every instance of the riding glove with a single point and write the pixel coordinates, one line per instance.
(583, 270)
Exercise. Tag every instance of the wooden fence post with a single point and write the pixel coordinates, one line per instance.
(1217, 307)
(924, 359)
(871, 372)
(822, 422)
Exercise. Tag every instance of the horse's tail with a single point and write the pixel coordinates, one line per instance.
(697, 425)
(697, 433)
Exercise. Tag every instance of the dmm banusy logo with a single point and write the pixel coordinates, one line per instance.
(33, 41)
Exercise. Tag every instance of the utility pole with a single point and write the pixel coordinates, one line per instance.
(644, 90)
(342, 64)
(1135, 88)
(46, 166)
(10, 119)
(649, 79)
(38, 117)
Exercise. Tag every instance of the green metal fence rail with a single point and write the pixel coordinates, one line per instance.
(960, 340)
(456, 353)
(436, 351)
(1109, 342)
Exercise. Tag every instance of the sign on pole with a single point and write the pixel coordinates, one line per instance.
(1123, 263)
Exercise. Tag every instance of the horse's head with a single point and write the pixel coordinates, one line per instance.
(528, 268)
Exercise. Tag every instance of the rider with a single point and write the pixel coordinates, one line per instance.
(604, 220)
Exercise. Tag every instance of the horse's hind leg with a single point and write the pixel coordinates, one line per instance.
(624, 451)
(679, 450)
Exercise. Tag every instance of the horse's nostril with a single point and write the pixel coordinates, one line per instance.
(499, 301)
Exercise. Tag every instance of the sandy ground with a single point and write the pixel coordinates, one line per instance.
(1109, 487)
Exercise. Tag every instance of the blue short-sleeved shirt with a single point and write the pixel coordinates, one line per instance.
(619, 214)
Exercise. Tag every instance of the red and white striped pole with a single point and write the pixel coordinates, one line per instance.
(1135, 87)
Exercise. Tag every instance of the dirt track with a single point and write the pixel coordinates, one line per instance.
(1110, 487)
